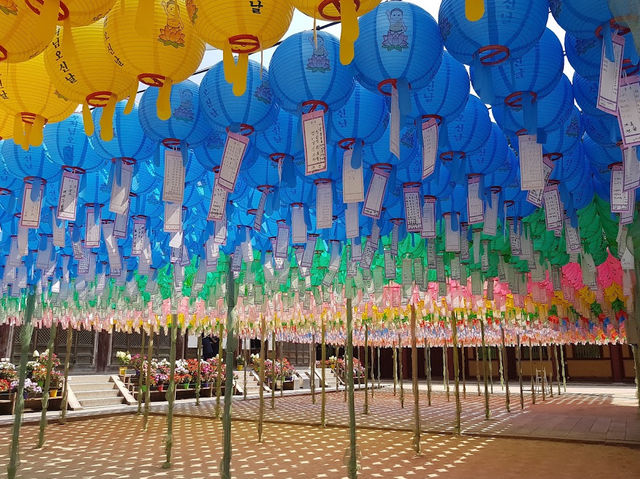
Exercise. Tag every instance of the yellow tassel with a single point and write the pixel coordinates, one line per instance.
(87, 119)
(35, 135)
(350, 30)
(228, 63)
(18, 131)
(474, 10)
(240, 75)
(106, 122)
(163, 104)
(132, 99)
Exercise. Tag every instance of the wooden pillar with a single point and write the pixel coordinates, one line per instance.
(617, 364)
(5, 340)
(102, 354)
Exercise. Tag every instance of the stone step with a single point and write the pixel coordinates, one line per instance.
(78, 387)
(89, 378)
(101, 402)
(104, 393)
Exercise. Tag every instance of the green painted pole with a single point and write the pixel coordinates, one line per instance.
(456, 372)
(198, 370)
(25, 341)
(414, 380)
(225, 465)
(219, 369)
(140, 376)
(505, 371)
(353, 460)
(47, 384)
(366, 370)
(147, 381)
(323, 359)
(171, 393)
(65, 390)
(263, 327)
(487, 411)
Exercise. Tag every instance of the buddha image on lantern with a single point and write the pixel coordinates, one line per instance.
(172, 34)
(8, 7)
(184, 111)
(263, 93)
(319, 60)
(192, 10)
(395, 39)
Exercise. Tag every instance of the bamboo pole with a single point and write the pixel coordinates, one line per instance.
(147, 381)
(414, 378)
(366, 370)
(65, 391)
(245, 361)
(400, 372)
(140, 375)
(395, 368)
(225, 465)
(323, 359)
(519, 360)
(47, 384)
(464, 373)
(427, 360)
(25, 341)
(445, 370)
(456, 373)
(544, 371)
(533, 389)
(312, 366)
(487, 411)
(263, 327)
(550, 372)
(555, 355)
(274, 346)
(171, 393)
(505, 371)
(219, 369)
(501, 366)
(564, 375)
(198, 370)
(478, 370)
(490, 361)
(353, 461)
(373, 376)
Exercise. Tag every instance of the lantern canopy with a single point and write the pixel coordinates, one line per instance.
(26, 28)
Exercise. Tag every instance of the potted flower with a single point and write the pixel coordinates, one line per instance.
(31, 388)
(124, 358)
(182, 374)
(206, 373)
(55, 380)
(240, 361)
(8, 371)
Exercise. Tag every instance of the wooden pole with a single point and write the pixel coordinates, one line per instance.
(544, 371)
(273, 369)
(366, 370)
(323, 359)
(312, 366)
(456, 373)
(219, 369)
(501, 366)
(353, 461)
(427, 359)
(65, 391)
(140, 375)
(564, 376)
(550, 372)
(245, 358)
(147, 382)
(490, 362)
(445, 370)
(414, 378)
(464, 373)
(378, 350)
(636, 361)
(485, 371)
(47, 384)
(401, 374)
(263, 327)
(478, 369)
(395, 368)
(199, 369)
(505, 371)
(373, 376)
(225, 465)
(171, 393)
(25, 340)
(519, 360)
(533, 389)
(555, 355)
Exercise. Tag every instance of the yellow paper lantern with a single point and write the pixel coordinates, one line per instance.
(6, 126)
(345, 11)
(26, 27)
(241, 28)
(156, 41)
(31, 99)
(83, 12)
(83, 71)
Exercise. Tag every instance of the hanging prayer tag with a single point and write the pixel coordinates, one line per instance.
(429, 146)
(352, 220)
(31, 207)
(218, 203)
(324, 204)
(352, 180)
(610, 72)
(119, 202)
(452, 238)
(58, 233)
(490, 226)
(298, 224)
(394, 124)
(629, 110)
(257, 222)
(375, 194)
(315, 142)
(535, 196)
(234, 150)
(475, 206)
(174, 171)
(412, 213)
(621, 200)
(68, 199)
(92, 227)
(631, 168)
(531, 165)
(172, 217)
(282, 241)
(429, 217)
(553, 210)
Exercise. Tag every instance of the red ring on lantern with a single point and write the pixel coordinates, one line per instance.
(508, 204)
(63, 14)
(612, 165)
(278, 157)
(397, 221)
(389, 81)
(555, 182)
(382, 166)
(33, 8)
(493, 54)
(125, 159)
(411, 184)
(314, 105)
(281, 221)
(3, 53)
(31, 179)
(106, 221)
(152, 79)
(252, 211)
(347, 143)
(139, 217)
(74, 169)
(615, 26)
(5, 192)
(554, 156)
(495, 189)
(28, 117)
(98, 99)
(299, 205)
(629, 68)
(93, 205)
(452, 155)
(244, 43)
(322, 181)
(438, 118)
(522, 131)
(263, 188)
(171, 143)
(429, 197)
(336, 4)
(515, 99)
(245, 130)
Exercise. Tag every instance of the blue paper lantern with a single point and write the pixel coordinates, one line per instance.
(506, 30)
(580, 17)
(468, 131)
(603, 129)
(398, 41)
(586, 95)
(585, 56)
(68, 145)
(567, 136)
(505, 174)
(410, 147)
(307, 76)
(364, 117)
(601, 156)
(255, 110)
(186, 126)
(283, 137)
(569, 163)
(34, 162)
(209, 153)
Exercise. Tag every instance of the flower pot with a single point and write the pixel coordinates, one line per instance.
(204, 385)
(186, 385)
(160, 387)
(143, 388)
(240, 367)
(123, 371)
(53, 393)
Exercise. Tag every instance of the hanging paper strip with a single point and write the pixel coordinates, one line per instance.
(315, 142)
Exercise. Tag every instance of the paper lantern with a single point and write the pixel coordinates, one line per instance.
(26, 28)
(6, 126)
(585, 55)
(31, 99)
(569, 164)
(253, 111)
(509, 31)
(307, 74)
(84, 12)
(209, 152)
(283, 137)
(187, 126)
(154, 40)
(82, 70)
(34, 162)
(400, 42)
(603, 129)
(467, 132)
(129, 140)
(69, 146)
(241, 28)
(580, 17)
(345, 11)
